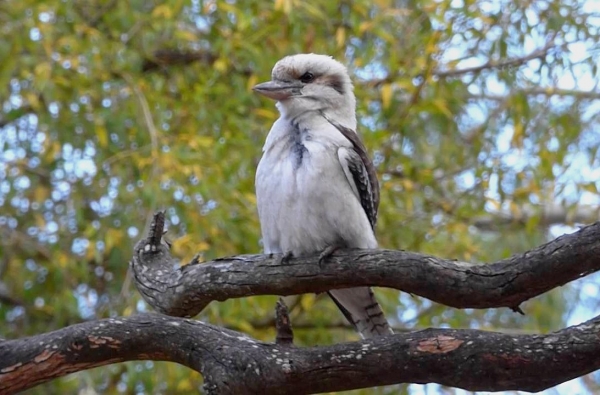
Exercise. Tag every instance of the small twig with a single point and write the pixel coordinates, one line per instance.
(124, 154)
(489, 65)
(153, 132)
(542, 91)
(157, 226)
(285, 335)
(10, 116)
(512, 62)
(517, 309)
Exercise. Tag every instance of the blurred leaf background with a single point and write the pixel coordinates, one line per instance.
(481, 117)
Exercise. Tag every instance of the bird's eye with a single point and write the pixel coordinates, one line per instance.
(307, 77)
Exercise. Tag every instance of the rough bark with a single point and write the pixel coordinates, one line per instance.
(233, 363)
(185, 290)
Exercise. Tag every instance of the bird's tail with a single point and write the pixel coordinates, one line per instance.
(360, 307)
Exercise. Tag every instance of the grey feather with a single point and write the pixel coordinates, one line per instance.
(358, 177)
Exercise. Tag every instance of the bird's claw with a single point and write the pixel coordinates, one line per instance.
(327, 252)
(284, 258)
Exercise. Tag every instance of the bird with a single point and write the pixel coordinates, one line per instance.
(316, 187)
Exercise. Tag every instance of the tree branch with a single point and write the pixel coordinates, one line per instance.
(499, 64)
(186, 290)
(15, 114)
(542, 91)
(173, 57)
(233, 363)
(548, 215)
(489, 65)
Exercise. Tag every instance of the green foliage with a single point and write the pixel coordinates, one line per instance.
(112, 110)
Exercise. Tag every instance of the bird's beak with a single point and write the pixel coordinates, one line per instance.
(279, 90)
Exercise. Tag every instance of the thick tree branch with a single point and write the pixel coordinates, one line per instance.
(233, 363)
(186, 290)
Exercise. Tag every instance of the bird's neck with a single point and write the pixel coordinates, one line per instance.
(342, 116)
(304, 124)
(345, 118)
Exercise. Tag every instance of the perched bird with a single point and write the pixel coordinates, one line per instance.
(316, 187)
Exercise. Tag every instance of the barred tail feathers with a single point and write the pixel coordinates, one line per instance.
(360, 307)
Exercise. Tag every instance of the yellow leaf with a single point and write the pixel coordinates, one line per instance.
(102, 135)
(33, 100)
(386, 95)
(113, 238)
(409, 205)
(41, 193)
(494, 203)
(66, 42)
(184, 386)
(446, 206)
(40, 222)
(63, 260)
(63, 82)
(54, 149)
(202, 142)
(441, 105)
(266, 113)
(431, 8)
(251, 197)
(593, 188)
(515, 210)
(180, 241)
(197, 170)
(186, 35)
(162, 11)
(223, 6)
(244, 326)
(128, 311)
(283, 5)
(251, 82)
(363, 27)
(517, 138)
(307, 302)
(202, 246)
(90, 252)
(220, 65)
(385, 4)
(431, 47)
(340, 36)
(42, 71)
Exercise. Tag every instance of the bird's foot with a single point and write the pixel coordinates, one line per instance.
(284, 258)
(327, 252)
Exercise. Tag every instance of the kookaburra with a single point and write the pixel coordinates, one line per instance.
(316, 187)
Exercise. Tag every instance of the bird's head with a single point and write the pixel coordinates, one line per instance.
(310, 82)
